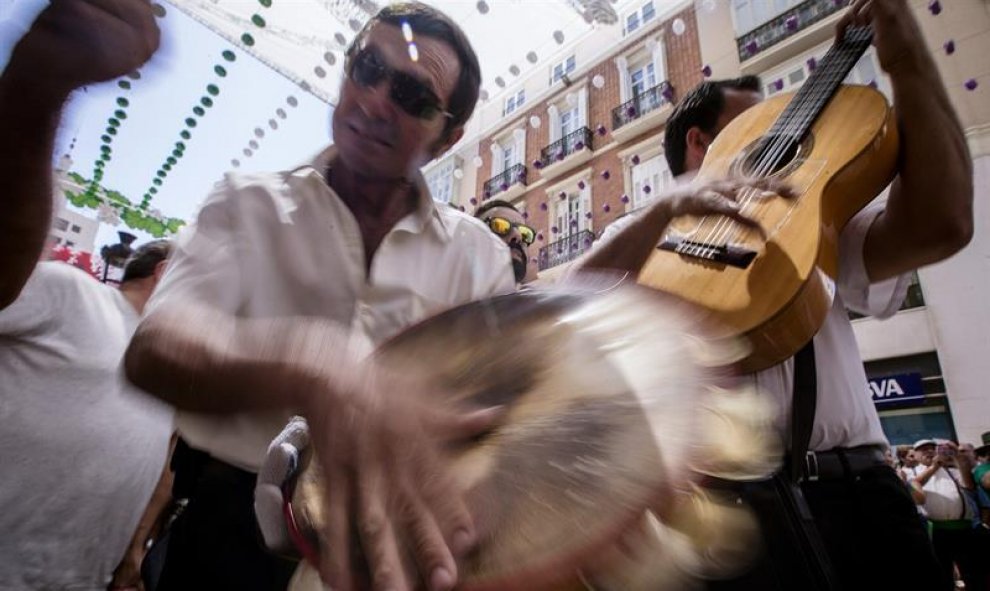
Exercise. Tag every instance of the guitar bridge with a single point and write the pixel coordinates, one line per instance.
(725, 254)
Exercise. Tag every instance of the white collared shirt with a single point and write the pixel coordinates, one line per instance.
(845, 415)
(284, 244)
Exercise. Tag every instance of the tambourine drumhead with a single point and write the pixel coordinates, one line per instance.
(585, 378)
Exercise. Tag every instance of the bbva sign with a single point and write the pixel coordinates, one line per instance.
(896, 388)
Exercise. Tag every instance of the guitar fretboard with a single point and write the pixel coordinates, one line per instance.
(826, 78)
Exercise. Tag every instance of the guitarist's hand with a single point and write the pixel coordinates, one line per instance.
(728, 197)
(895, 32)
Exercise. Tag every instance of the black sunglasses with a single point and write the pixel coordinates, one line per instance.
(502, 227)
(412, 96)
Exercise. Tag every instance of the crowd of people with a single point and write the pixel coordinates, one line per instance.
(269, 305)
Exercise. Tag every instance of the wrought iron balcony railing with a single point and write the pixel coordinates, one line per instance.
(564, 250)
(645, 102)
(515, 174)
(785, 25)
(575, 141)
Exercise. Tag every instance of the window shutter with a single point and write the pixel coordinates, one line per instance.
(553, 116)
(624, 85)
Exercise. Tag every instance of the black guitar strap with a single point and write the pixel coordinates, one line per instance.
(804, 400)
(803, 403)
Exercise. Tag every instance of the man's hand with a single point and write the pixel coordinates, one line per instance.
(726, 197)
(78, 42)
(127, 575)
(895, 33)
(379, 443)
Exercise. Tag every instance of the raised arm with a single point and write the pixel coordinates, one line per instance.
(929, 213)
(72, 43)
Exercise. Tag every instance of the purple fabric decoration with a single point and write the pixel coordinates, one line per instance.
(949, 46)
(624, 199)
(635, 159)
(935, 7)
(706, 71)
(971, 84)
(606, 208)
(606, 175)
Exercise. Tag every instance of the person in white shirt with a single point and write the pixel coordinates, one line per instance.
(281, 288)
(863, 511)
(81, 450)
(945, 476)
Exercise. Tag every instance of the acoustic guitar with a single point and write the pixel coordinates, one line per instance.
(836, 145)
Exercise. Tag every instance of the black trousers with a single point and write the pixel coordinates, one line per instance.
(870, 529)
(968, 549)
(215, 543)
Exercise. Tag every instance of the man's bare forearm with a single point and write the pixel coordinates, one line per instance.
(28, 120)
(200, 360)
(629, 249)
(929, 214)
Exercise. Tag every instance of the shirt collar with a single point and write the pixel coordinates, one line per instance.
(426, 213)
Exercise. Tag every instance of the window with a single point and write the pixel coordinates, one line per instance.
(60, 224)
(58, 240)
(649, 179)
(70, 243)
(648, 12)
(632, 22)
(569, 213)
(565, 67)
(76, 229)
(514, 101)
(642, 79)
(569, 122)
(440, 180)
(508, 156)
(641, 16)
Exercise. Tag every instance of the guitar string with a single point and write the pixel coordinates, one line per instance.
(795, 123)
(787, 130)
(788, 134)
(789, 127)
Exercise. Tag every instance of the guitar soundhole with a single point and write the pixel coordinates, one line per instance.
(769, 156)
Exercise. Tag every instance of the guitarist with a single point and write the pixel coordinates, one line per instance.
(864, 515)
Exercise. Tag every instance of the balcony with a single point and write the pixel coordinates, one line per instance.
(565, 250)
(508, 184)
(644, 112)
(804, 25)
(566, 153)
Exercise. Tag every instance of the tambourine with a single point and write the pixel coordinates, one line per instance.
(605, 390)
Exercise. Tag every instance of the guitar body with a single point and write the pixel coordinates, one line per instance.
(779, 298)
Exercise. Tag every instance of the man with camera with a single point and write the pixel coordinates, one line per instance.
(946, 478)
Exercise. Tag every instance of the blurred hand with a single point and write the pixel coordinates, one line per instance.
(380, 447)
(78, 42)
(723, 197)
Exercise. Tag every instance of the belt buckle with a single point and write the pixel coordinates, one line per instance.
(811, 471)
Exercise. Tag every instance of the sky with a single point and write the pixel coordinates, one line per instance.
(178, 73)
(252, 93)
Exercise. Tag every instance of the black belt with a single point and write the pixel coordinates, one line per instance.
(841, 462)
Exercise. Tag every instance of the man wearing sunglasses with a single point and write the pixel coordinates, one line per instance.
(280, 290)
(507, 223)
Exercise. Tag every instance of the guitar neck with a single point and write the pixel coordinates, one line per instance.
(826, 78)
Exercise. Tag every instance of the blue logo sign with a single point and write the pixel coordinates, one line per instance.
(896, 388)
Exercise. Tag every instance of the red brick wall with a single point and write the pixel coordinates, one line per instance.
(683, 56)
